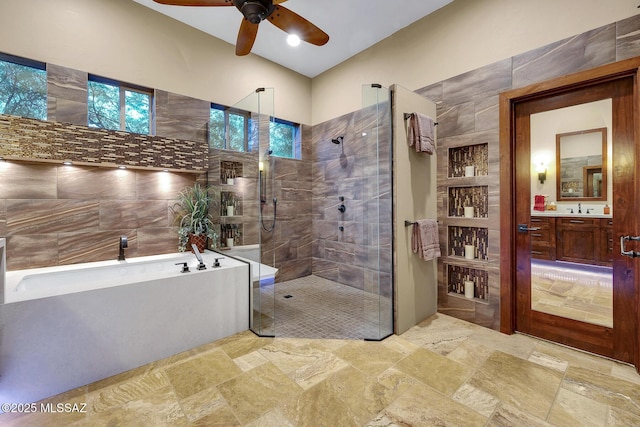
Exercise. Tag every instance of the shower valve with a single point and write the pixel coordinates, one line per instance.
(342, 208)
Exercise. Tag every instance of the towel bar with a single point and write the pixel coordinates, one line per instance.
(407, 116)
(408, 223)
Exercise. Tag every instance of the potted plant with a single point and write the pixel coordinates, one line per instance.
(195, 224)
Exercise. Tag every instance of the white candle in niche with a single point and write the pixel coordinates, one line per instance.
(468, 211)
(469, 252)
(469, 171)
(229, 242)
(230, 181)
(468, 289)
(229, 210)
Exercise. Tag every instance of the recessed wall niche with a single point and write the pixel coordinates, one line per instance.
(476, 156)
(458, 275)
(460, 238)
(475, 196)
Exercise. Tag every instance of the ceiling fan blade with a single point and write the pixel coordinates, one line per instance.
(196, 2)
(292, 23)
(246, 37)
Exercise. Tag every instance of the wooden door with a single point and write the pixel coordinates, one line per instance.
(614, 340)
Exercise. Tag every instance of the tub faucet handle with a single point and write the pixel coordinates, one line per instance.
(185, 267)
(217, 262)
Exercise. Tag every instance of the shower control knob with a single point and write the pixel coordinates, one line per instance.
(342, 208)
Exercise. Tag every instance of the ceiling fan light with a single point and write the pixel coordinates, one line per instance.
(293, 40)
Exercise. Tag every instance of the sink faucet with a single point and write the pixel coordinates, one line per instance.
(570, 210)
(123, 244)
(579, 208)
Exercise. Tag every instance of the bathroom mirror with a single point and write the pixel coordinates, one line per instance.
(581, 165)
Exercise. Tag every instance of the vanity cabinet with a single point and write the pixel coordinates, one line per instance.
(572, 239)
(543, 241)
(578, 240)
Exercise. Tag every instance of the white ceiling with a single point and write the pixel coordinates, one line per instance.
(352, 25)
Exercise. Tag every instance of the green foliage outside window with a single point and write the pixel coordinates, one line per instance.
(23, 90)
(227, 129)
(105, 108)
(282, 138)
(136, 111)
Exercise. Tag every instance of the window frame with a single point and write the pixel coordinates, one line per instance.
(227, 111)
(122, 90)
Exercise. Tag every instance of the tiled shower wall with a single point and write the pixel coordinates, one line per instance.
(468, 114)
(358, 170)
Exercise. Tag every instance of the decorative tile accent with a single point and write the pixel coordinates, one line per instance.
(31, 139)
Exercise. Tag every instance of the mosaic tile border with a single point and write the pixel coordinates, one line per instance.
(36, 140)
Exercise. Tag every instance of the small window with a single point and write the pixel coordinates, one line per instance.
(284, 138)
(23, 87)
(228, 128)
(115, 106)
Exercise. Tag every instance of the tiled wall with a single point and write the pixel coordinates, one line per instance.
(468, 115)
(55, 214)
(362, 175)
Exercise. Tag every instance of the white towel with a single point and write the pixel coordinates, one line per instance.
(421, 133)
(425, 240)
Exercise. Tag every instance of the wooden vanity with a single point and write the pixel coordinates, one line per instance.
(581, 239)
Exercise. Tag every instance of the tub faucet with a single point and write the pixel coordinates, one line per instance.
(123, 244)
(196, 252)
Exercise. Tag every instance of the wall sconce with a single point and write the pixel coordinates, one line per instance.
(542, 172)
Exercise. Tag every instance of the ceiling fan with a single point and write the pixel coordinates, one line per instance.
(255, 11)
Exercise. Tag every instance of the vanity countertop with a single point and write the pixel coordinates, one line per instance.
(568, 214)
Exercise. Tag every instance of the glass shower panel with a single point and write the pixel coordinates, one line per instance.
(376, 248)
(259, 209)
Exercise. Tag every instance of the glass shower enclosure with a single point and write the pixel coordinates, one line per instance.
(376, 249)
(259, 209)
(369, 154)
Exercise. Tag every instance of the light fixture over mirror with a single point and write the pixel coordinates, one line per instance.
(581, 165)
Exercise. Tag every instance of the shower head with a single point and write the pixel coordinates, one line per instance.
(338, 140)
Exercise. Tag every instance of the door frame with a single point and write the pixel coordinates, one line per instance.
(508, 249)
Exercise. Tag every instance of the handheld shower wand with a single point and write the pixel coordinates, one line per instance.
(263, 196)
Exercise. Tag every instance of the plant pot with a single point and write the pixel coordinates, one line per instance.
(200, 241)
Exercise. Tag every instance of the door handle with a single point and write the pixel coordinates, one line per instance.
(523, 228)
(631, 253)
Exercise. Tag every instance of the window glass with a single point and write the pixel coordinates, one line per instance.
(23, 90)
(103, 105)
(283, 138)
(216, 128)
(228, 128)
(236, 132)
(137, 111)
(111, 105)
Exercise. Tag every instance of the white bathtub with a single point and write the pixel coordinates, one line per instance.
(63, 327)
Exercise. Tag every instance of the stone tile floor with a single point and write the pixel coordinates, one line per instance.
(321, 308)
(441, 372)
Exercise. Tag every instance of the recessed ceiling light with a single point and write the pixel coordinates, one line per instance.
(122, 167)
(67, 163)
(293, 40)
